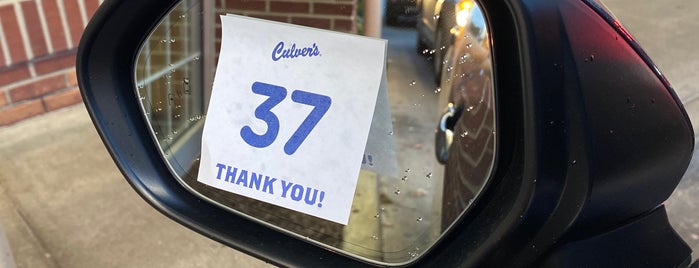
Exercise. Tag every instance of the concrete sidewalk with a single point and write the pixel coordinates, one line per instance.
(63, 203)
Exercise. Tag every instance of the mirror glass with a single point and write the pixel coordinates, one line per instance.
(440, 98)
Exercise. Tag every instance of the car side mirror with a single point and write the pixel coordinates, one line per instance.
(548, 137)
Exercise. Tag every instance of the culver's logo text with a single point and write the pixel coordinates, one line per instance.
(280, 51)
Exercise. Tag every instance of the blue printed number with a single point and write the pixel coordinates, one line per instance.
(263, 112)
(320, 103)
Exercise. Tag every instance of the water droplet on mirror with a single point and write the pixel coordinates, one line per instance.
(397, 192)
(419, 219)
(429, 175)
(163, 41)
(375, 237)
(390, 133)
(435, 17)
(437, 90)
(575, 162)
(182, 16)
(432, 51)
(407, 171)
(463, 135)
(186, 81)
(470, 108)
(412, 83)
(464, 58)
(590, 58)
(377, 215)
(195, 59)
(172, 40)
(405, 178)
(449, 69)
(442, 48)
(425, 51)
(469, 45)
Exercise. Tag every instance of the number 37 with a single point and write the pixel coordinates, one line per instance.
(277, 94)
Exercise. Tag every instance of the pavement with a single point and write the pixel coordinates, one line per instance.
(63, 203)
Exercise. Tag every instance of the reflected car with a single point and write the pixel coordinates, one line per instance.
(400, 11)
(437, 23)
(465, 134)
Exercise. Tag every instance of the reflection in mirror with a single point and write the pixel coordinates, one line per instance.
(394, 218)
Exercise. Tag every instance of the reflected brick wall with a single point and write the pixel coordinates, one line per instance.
(336, 15)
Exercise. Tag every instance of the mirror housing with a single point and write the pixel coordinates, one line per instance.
(592, 139)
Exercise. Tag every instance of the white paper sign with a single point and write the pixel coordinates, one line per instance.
(380, 152)
(290, 113)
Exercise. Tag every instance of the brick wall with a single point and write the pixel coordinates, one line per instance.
(38, 41)
(337, 15)
(39, 38)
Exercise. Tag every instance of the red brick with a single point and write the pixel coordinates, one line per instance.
(55, 63)
(333, 9)
(75, 20)
(13, 74)
(254, 5)
(53, 20)
(63, 99)
(343, 25)
(8, 19)
(20, 112)
(2, 59)
(3, 99)
(38, 88)
(72, 78)
(90, 7)
(312, 22)
(36, 35)
(289, 7)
